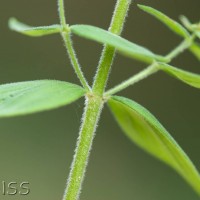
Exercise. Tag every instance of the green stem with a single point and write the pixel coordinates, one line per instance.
(187, 43)
(181, 48)
(108, 54)
(74, 60)
(69, 46)
(61, 11)
(90, 119)
(134, 79)
(94, 105)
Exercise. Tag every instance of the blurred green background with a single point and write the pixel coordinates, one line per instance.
(39, 148)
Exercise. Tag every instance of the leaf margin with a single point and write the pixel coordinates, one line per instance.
(27, 30)
(12, 95)
(193, 183)
(131, 50)
(163, 18)
(189, 78)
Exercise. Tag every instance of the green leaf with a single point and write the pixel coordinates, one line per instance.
(17, 26)
(195, 50)
(170, 23)
(35, 96)
(146, 131)
(186, 77)
(122, 45)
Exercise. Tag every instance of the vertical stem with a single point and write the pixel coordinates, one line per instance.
(90, 119)
(93, 109)
(61, 11)
(108, 54)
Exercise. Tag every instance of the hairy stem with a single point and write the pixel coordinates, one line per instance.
(74, 60)
(93, 108)
(186, 44)
(134, 79)
(181, 48)
(90, 119)
(61, 12)
(108, 54)
(69, 46)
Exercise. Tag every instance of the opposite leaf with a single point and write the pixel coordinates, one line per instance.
(35, 96)
(17, 26)
(171, 24)
(145, 130)
(122, 45)
(187, 77)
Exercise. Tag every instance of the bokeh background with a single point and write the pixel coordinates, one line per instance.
(39, 148)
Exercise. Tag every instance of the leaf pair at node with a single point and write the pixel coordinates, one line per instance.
(93, 33)
(34, 96)
(137, 123)
(122, 45)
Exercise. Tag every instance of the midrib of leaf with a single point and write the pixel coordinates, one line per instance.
(158, 136)
(180, 166)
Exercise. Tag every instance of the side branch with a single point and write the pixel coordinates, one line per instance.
(74, 60)
(134, 79)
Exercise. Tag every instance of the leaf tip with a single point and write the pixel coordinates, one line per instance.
(11, 23)
(16, 25)
(142, 7)
(185, 21)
